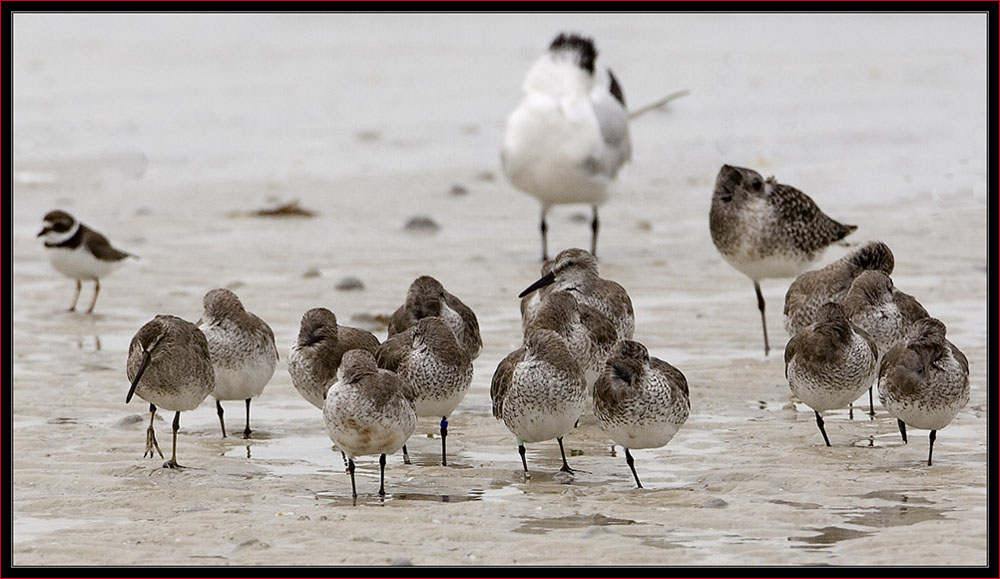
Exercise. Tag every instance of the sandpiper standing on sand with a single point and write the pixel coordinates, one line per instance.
(812, 289)
(575, 271)
(368, 411)
(569, 136)
(924, 381)
(539, 391)
(640, 401)
(427, 298)
(831, 363)
(766, 229)
(170, 367)
(79, 252)
(242, 348)
(438, 369)
(317, 353)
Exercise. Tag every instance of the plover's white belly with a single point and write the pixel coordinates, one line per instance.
(79, 263)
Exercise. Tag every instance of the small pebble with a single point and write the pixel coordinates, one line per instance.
(349, 283)
(714, 503)
(421, 224)
(486, 176)
(579, 218)
(311, 272)
(126, 421)
(644, 225)
(401, 562)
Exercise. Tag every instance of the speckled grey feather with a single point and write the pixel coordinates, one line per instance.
(425, 299)
(179, 375)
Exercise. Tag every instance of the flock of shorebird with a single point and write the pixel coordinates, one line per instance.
(850, 327)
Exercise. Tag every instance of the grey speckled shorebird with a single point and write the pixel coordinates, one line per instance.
(242, 349)
(368, 411)
(640, 401)
(588, 333)
(429, 358)
(569, 136)
(79, 252)
(539, 391)
(314, 359)
(170, 367)
(831, 363)
(428, 298)
(831, 283)
(766, 229)
(876, 305)
(924, 381)
(575, 271)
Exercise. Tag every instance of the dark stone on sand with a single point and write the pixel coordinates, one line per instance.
(421, 224)
(350, 283)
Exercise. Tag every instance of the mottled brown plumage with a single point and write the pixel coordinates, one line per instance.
(425, 298)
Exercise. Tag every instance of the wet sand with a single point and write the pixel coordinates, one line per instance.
(162, 131)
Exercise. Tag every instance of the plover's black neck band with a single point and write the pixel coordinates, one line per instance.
(70, 243)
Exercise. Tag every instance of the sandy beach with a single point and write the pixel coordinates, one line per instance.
(165, 132)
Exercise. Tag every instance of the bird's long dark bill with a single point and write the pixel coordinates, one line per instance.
(44, 231)
(544, 281)
(138, 375)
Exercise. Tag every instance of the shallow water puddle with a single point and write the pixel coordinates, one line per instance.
(343, 500)
(540, 526)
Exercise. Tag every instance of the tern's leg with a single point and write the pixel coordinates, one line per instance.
(76, 296)
(220, 412)
(594, 226)
(151, 436)
(763, 320)
(97, 290)
(544, 227)
(631, 465)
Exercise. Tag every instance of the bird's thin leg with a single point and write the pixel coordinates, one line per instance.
(930, 451)
(247, 431)
(524, 461)
(381, 475)
(871, 402)
(350, 469)
(151, 435)
(406, 456)
(763, 320)
(76, 296)
(902, 429)
(594, 226)
(565, 465)
(544, 228)
(172, 463)
(220, 412)
(444, 436)
(819, 422)
(631, 465)
(97, 290)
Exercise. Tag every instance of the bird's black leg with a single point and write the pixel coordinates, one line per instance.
(381, 475)
(220, 412)
(247, 431)
(406, 456)
(97, 290)
(544, 228)
(932, 437)
(871, 402)
(524, 462)
(565, 465)
(594, 226)
(631, 465)
(763, 319)
(350, 469)
(819, 422)
(444, 436)
(902, 429)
